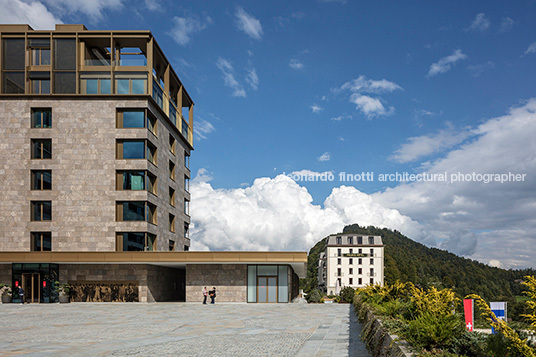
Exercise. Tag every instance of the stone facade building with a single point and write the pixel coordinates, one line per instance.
(97, 131)
(353, 260)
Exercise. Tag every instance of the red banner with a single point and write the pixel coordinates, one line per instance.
(469, 317)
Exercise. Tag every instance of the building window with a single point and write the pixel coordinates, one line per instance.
(41, 241)
(186, 248)
(359, 271)
(359, 281)
(41, 180)
(41, 118)
(359, 261)
(131, 83)
(131, 149)
(130, 118)
(186, 230)
(41, 210)
(131, 180)
(41, 148)
(360, 251)
(95, 83)
(185, 129)
(152, 185)
(172, 144)
(351, 251)
(350, 240)
(359, 240)
(370, 240)
(371, 281)
(135, 242)
(186, 183)
(136, 211)
(172, 197)
(151, 124)
(172, 170)
(351, 271)
(350, 281)
(171, 223)
(151, 153)
(371, 252)
(371, 271)
(186, 160)
(39, 82)
(40, 48)
(339, 253)
(339, 240)
(171, 245)
(371, 261)
(339, 261)
(186, 207)
(339, 272)
(351, 261)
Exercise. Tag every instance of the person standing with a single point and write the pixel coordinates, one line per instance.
(205, 293)
(212, 295)
(21, 294)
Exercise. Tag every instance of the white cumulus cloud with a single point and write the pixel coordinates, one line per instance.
(531, 48)
(325, 157)
(370, 106)
(94, 9)
(34, 14)
(295, 64)
(316, 108)
(364, 85)
(247, 23)
(185, 27)
(444, 64)
(229, 78)
(480, 23)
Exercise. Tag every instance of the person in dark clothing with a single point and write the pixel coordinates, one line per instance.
(21, 295)
(205, 293)
(212, 294)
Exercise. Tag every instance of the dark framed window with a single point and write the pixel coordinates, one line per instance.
(186, 183)
(152, 184)
(350, 240)
(152, 153)
(131, 149)
(370, 240)
(131, 118)
(359, 240)
(171, 245)
(186, 207)
(131, 180)
(152, 124)
(172, 143)
(339, 240)
(136, 242)
(41, 241)
(186, 230)
(136, 211)
(172, 197)
(41, 118)
(95, 83)
(41, 148)
(41, 179)
(171, 223)
(186, 160)
(339, 261)
(339, 252)
(172, 170)
(41, 210)
(350, 281)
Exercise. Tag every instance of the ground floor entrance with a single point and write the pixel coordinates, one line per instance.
(31, 283)
(267, 289)
(37, 280)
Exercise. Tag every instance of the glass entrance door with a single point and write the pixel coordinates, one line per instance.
(31, 283)
(267, 289)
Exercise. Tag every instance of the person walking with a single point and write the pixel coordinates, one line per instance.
(205, 293)
(21, 294)
(212, 295)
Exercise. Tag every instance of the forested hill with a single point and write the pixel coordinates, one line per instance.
(407, 260)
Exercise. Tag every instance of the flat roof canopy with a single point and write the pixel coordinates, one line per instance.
(298, 260)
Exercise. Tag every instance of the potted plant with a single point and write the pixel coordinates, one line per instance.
(63, 292)
(5, 292)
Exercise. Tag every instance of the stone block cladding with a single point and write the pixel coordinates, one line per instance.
(230, 281)
(5, 274)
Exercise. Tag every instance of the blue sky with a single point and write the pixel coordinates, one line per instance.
(346, 86)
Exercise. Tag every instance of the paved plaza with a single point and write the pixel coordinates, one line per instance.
(180, 329)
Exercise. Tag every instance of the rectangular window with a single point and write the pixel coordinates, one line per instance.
(370, 240)
(65, 82)
(360, 281)
(95, 83)
(151, 153)
(371, 272)
(351, 251)
(131, 118)
(172, 144)
(40, 50)
(151, 213)
(131, 83)
(351, 261)
(65, 53)
(371, 252)
(186, 207)
(371, 261)
(185, 130)
(351, 271)
(171, 245)
(13, 54)
(360, 251)
(13, 82)
(41, 241)
(359, 240)
(171, 223)
(339, 240)
(152, 124)
(136, 242)
(172, 197)
(41, 179)
(186, 183)
(339, 261)
(350, 240)
(186, 230)
(350, 281)
(359, 261)
(133, 180)
(132, 210)
(186, 160)
(339, 253)
(339, 272)
(172, 170)
(41, 210)
(41, 118)
(371, 281)
(360, 271)
(40, 86)
(41, 148)
(152, 184)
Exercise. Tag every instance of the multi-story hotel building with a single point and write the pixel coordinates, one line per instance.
(96, 131)
(353, 260)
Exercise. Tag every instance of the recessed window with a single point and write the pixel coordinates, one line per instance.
(131, 149)
(351, 261)
(40, 86)
(370, 240)
(41, 210)
(41, 241)
(350, 271)
(350, 281)
(151, 124)
(151, 213)
(41, 148)
(371, 281)
(185, 129)
(339, 261)
(350, 240)
(360, 281)
(172, 170)
(339, 252)
(135, 242)
(371, 252)
(136, 211)
(171, 245)
(339, 240)
(371, 261)
(360, 271)
(151, 153)
(131, 118)
(359, 261)
(186, 183)
(186, 207)
(172, 197)
(359, 240)
(41, 179)
(131, 180)
(186, 230)
(371, 271)
(172, 143)
(186, 160)
(95, 83)
(40, 48)
(41, 118)
(171, 223)
(131, 83)
(152, 186)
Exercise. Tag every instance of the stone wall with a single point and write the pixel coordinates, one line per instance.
(230, 281)
(5, 274)
(165, 284)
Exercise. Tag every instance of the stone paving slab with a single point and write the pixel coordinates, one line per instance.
(185, 329)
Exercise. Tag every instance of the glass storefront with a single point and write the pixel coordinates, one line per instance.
(37, 280)
(268, 283)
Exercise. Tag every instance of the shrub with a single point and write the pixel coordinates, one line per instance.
(347, 294)
(470, 344)
(433, 331)
(314, 296)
